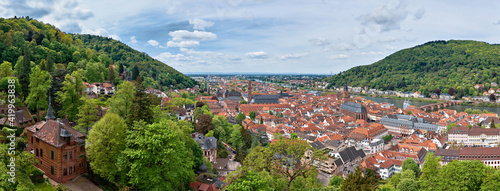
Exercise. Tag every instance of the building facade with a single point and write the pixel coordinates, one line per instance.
(59, 148)
(207, 144)
(354, 110)
(405, 125)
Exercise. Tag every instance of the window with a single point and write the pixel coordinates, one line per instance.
(31, 139)
(41, 152)
(52, 170)
(65, 156)
(81, 148)
(65, 172)
(70, 170)
(36, 152)
(52, 155)
(37, 140)
(70, 155)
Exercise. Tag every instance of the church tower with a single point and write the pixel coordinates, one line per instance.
(249, 98)
(345, 94)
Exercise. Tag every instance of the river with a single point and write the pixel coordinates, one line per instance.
(459, 108)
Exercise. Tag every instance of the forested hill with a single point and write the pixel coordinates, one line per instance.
(93, 54)
(457, 64)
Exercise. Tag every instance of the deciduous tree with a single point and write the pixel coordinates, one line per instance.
(5, 69)
(87, 114)
(69, 97)
(122, 100)
(40, 82)
(155, 158)
(410, 164)
(204, 124)
(105, 144)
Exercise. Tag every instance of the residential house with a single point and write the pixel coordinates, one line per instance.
(59, 148)
(207, 144)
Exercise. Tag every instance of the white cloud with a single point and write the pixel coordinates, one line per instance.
(100, 32)
(388, 17)
(167, 56)
(183, 44)
(200, 24)
(133, 40)
(370, 53)
(339, 56)
(319, 41)
(257, 55)
(153, 42)
(184, 35)
(292, 56)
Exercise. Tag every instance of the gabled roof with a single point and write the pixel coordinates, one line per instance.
(50, 132)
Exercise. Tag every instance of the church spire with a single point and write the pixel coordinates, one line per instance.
(50, 113)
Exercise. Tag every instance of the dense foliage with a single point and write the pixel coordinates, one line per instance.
(26, 42)
(443, 65)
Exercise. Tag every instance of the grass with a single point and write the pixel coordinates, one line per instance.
(44, 187)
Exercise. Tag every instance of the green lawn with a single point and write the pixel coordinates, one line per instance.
(44, 187)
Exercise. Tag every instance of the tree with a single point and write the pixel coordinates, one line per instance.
(50, 64)
(240, 117)
(87, 114)
(250, 181)
(111, 76)
(40, 82)
(105, 144)
(135, 73)
(430, 172)
(451, 91)
(410, 164)
(25, 71)
(359, 181)
(493, 98)
(492, 125)
(144, 160)
(452, 175)
(437, 92)
(204, 124)
(408, 181)
(199, 104)
(120, 68)
(252, 115)
(336, 181)
(5, 69)
(491, 182)
(270, 112)
(69, 97)
(140, 109)
(290, 153)
(387, 138)
(122, 100)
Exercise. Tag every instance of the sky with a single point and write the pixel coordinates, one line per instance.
(267, 36)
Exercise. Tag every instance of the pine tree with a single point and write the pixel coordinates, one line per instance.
(111, 74)
(141, 105)
(135, 73)
(25, 71)
(50, 64)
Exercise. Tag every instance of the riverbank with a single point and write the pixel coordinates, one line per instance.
(481, 104)
(403, 98)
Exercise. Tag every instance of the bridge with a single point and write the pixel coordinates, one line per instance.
(439, 105)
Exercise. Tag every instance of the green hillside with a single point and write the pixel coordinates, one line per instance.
(91, 53)
(457, 64)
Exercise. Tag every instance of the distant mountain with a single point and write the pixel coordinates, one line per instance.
(457, 64)
(43, 39)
